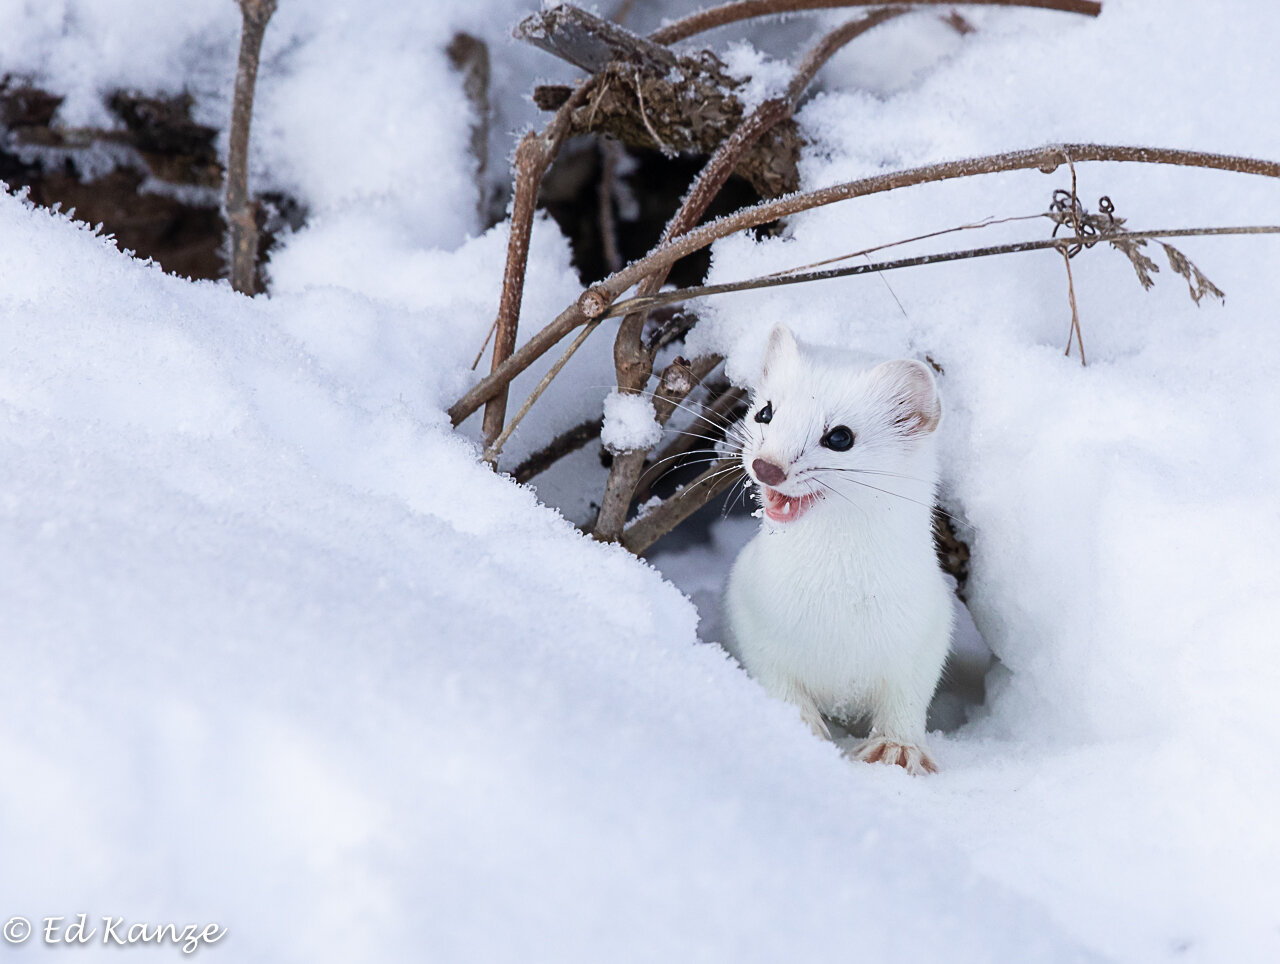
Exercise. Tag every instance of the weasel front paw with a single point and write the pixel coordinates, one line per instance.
(910, 757)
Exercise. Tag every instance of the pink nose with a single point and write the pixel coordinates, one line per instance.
(768, 473)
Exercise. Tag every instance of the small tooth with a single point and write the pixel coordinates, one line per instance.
(786, 508)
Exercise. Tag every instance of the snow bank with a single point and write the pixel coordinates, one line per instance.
(282, 656)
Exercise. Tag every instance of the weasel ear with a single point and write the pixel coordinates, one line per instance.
(913, 396)
(782, 348)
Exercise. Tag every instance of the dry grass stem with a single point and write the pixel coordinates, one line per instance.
(1075, 313)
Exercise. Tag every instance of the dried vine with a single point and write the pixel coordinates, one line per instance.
(740, 10)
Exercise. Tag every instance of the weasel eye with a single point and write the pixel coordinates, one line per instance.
(839, 439)
(765, 415)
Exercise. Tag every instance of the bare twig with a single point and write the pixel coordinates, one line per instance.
(610, 152)
(495, 447)
(651, 97)
(972, 226)
(470, 57)
(533, 157)
(729, 13)
(566, 443)
(1040, 244)
(589, 42)
(654, 524)
(241, 215)
(596, 300)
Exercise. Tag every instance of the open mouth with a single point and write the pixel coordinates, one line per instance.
(786, 508)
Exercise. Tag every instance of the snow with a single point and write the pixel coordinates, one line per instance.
(762, 77)
(281, 655)
(630, 422)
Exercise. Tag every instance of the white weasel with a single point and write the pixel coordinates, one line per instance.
(838, 604)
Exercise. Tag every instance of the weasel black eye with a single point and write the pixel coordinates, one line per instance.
(765, 415)
(839, 439)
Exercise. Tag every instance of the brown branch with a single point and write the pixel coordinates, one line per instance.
(610, 153)
(678, 379)
(469, 56)
(597, 299)
(494, 449)
(729, 13)
(533, 156)
(656, 523)
(589, 42)
(241, 214)
(716, 171)
(1041, 244)
(566, 443)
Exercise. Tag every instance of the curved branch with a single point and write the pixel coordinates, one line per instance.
(653, 525)
(565, 443)
(596, 300)
(729, 13)
(782, 279)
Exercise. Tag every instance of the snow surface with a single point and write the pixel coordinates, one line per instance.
(280, 654)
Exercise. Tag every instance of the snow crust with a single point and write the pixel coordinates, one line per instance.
(280, 654)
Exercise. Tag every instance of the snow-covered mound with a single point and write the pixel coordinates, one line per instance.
(280, 655)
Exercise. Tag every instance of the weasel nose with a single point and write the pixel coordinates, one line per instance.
(767, 472)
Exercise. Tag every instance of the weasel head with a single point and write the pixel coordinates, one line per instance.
(821, 430)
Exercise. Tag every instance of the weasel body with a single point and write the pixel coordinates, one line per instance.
(838, 604)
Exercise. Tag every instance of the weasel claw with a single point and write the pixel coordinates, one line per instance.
(910, 757)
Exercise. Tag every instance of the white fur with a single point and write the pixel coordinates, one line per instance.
(844, 612)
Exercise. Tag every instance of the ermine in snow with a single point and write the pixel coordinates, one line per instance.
(838, 604)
